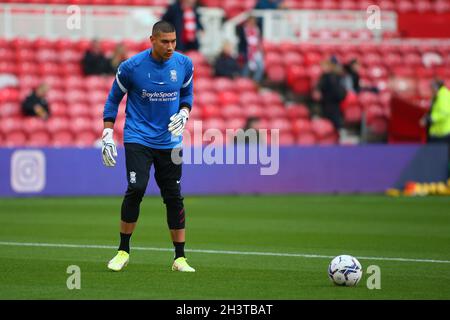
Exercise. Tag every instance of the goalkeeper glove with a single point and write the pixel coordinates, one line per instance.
(178, 122)
(109, 150)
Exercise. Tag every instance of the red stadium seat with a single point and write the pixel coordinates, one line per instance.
(300, 126)
(80, 110)
(387, 5)
(286, 139)
(206, 98)
(203, 85)
(276, 73)
(86, 139)
(15, 139)
(254, 110)
(49, 68)
(296, 111)
(322, 128)
(292, 59)
(46, 55)
(244, 85)
(32, 125)
(441, 6)
(282, 124)
(214, 123)
(352, 115)
(8, 67)
(75, 96)
(25, 55)
(62, 139)
(9, 95)
(27, 68)
(97, 96)
(80, 124)
(223, 84)
(228, 97)
(306, 139)
(249, 97)
(55, 124)
(329, 140)
(423, 6)
(97, 82)
(347, 5)
(10, 109)
(74, 83)
(11, 124)
(42, 43)
(405, 6)
(231, 111)
(38, 139)
(211, 111)
(235, 123)
(271, 98)
(275, 112)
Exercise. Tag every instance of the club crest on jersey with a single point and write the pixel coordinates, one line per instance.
(132, 177)
(173, 75)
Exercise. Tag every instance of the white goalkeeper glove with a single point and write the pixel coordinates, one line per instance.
(178, 122)
(109, 150)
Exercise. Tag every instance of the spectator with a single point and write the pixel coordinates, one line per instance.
(94, 61)
(331, 91)
(35, 105)
(269, 4)
(117, 57)
(183, 14)
(226, 65)
(351, 78)
(438, 118)
(251, 50)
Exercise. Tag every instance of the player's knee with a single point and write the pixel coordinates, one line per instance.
(136, 191)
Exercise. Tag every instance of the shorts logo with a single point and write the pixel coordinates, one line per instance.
(173, 75)
(132, 177)
(28, 171)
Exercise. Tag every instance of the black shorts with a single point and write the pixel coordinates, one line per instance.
(139, 160)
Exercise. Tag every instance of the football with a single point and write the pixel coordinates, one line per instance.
(345, 270)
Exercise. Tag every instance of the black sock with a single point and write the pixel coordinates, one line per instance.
(179, 249)
(125, 242)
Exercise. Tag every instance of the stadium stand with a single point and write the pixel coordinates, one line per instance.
(76, 101)
(221, 102)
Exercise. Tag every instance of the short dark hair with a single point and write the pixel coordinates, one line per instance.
(162, 26)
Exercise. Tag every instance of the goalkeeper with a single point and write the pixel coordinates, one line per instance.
(159, 85)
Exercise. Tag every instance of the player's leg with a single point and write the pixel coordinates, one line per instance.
(138, 162)
(168, 178)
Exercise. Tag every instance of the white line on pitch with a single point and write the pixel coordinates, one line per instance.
(272, 254)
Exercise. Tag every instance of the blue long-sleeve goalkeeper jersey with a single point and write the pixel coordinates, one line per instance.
(155, 91)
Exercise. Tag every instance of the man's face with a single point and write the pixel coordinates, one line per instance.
(42, 90)
(164, 44)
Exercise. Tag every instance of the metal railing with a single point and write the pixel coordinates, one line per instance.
(297, 25)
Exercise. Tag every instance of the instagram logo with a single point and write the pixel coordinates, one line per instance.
(28, 171)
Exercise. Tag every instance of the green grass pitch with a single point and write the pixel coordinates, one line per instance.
(233, 229)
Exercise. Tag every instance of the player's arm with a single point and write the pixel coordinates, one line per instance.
(119, 88)
(178, 120)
